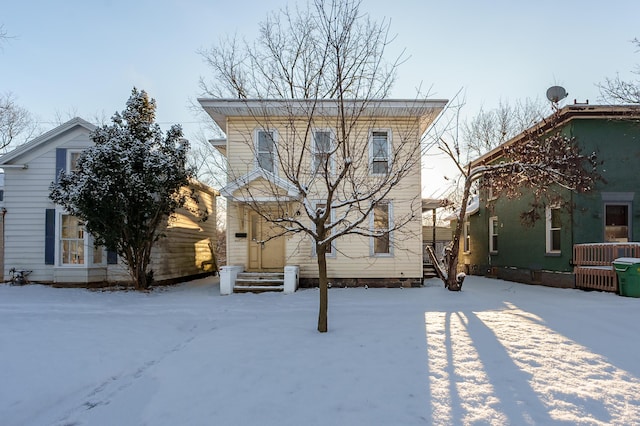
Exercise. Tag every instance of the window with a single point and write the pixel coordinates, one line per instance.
(554, 229)
(331, 249)
(381, 224)
(72, 160)
(76, 245)
(493, 234)
(379, 151)
(321, 154)
(467, 237)
(71, 241)
(266, 149)
(616, 226)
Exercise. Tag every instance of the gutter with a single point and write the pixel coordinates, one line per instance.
(14, 166)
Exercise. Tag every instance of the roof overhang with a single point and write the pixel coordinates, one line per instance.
(9, 159)
(565, 115)
(221, 109)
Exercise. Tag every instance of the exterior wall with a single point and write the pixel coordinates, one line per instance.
(186, 249)
(353, 258)
(183, 253)
(26, 199)
(617, 144)
(522, 250)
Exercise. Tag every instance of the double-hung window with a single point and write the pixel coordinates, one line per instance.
(379, 148)
(554, 229)
(72, 242)
(321, 151)
(265, 146)
(381, 223)
(493, 234)
(72, 160)
(76, 247)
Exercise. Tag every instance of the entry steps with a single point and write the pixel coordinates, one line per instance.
(259, 282)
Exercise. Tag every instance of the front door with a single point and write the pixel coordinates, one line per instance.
(265, 253)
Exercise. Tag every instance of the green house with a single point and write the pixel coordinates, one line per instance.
(495, 243)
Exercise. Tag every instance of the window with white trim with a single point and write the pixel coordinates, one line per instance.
(381, 223)
(75, 245)
(554, 229)
(72, 159)
(71, 240)
(493, 234)
(467, 237)
(617, 223)
(265, 145)
(323, 144)
(379, 151)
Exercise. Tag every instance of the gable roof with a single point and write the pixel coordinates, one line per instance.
(43, 139)
(221, 109)
(565, 115)
(254, 175)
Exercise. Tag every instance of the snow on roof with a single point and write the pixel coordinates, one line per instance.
(473, 205)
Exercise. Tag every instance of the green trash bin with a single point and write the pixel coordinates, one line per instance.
(628, 271)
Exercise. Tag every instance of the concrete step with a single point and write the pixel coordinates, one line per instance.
(259, 282)
(258, 289)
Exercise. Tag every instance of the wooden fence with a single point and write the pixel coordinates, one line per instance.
(593, 264)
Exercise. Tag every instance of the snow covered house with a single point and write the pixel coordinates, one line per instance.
(40, 237)
(599, 226)
(269, 141)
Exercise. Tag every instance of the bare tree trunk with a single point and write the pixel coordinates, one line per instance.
(324, 288)
(453, 282)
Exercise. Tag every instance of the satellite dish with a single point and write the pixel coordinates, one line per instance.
(556, 93)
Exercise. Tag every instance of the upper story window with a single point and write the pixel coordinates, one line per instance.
(382, 223)
(72, 160)
(379, 151)
(265, 146)
(321, 151)
(554, 229)
(493, 234)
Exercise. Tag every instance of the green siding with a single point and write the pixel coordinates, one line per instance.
(615, 142)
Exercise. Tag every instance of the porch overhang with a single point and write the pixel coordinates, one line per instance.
(278, 189)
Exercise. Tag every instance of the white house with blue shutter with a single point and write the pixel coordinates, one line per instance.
(43, 238)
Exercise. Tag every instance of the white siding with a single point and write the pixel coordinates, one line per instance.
(26, 200)
(353, 259)
(182, 253)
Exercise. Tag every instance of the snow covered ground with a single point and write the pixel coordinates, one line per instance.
(496, 353)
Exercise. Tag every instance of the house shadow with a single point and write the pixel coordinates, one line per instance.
(504, 365)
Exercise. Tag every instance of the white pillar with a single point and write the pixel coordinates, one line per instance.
(291, 278)
(228, 275)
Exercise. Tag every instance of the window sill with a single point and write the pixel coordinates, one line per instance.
(553, 254)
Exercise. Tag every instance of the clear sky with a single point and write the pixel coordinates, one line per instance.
(83, 57)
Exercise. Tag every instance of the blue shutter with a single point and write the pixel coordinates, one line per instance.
(61, 161)
(50, 237)
(112, 257)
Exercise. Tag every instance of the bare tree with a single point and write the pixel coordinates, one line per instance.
(542, 162)
(489, 129)
(16, 123)
(325, 66)
(619, 91)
